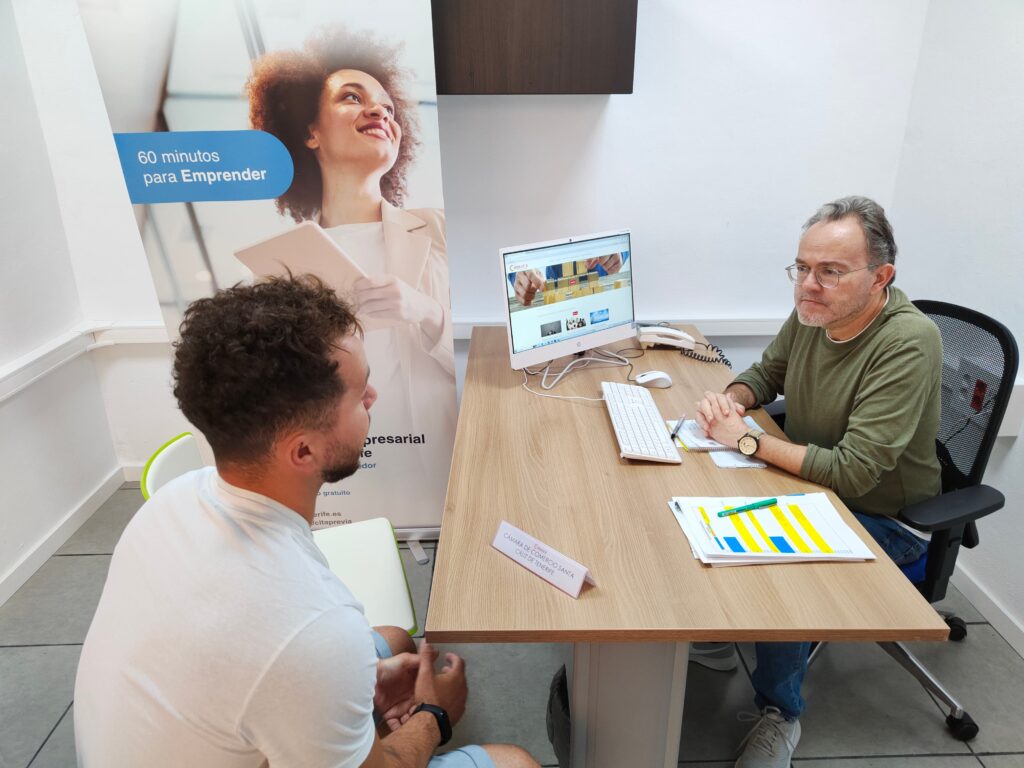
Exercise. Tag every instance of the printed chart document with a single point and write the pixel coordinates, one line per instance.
(797, 528)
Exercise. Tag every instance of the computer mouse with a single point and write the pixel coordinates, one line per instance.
(654, 379)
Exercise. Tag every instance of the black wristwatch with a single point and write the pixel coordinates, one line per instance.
(444, 725)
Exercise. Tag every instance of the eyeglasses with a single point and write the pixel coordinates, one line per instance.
(827, 277)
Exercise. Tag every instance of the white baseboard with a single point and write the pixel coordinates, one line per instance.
(12, 581)
(994, 611)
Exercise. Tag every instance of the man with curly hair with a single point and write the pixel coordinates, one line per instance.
(222, 638)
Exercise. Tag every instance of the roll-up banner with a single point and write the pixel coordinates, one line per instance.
(265, 136)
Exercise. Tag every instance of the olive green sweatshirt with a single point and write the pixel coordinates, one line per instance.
(867, 409)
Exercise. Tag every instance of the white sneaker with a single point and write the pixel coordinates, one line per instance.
(771, 741)
(720, 657)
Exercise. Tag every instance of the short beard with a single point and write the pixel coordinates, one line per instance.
(340, 472)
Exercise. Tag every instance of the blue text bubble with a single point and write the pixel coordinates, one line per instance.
(194, 166)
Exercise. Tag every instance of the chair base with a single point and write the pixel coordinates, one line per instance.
(960, 724)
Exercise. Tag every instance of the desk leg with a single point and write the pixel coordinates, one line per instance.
(627, 704)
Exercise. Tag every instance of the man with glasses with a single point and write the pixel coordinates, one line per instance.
(860, 368)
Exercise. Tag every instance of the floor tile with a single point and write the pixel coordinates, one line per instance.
(508, 694)
(419, 577)
(59, 749)
(99, 534)
(858, 704)
(56, 604)
(987, 676)
(711, 730)
(910, 761)
(1002, 761)
(861, 702)
(36, 686)
(959, 605)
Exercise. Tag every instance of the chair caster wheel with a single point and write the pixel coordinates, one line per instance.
(963, 728)
(957, 628)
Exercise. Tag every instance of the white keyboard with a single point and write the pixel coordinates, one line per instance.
(638, 425)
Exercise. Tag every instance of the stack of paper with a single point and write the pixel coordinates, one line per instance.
(797, 528)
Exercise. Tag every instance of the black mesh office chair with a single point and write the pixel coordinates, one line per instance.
(979, 365)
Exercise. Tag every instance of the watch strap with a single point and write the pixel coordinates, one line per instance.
(444, 725)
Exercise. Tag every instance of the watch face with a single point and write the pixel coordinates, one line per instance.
(748, 445)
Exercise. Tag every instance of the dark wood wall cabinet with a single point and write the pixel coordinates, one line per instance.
(534, 46)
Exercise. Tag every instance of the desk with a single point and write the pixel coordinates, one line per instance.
(551, 468)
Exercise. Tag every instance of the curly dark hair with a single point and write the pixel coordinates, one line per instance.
(256, 359)
(284, 100)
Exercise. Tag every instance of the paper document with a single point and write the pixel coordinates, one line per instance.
(736, 460)
(692, 438)
(798, 528)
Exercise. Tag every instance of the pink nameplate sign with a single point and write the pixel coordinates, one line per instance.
(551, 565)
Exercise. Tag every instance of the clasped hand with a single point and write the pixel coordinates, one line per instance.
(407, 680)
(721, 418)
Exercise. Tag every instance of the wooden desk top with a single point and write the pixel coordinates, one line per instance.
(551, 468)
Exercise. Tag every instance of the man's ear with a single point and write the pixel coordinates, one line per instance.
(884, 275)
(300, 451)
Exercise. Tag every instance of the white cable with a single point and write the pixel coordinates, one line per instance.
(526, 386)
(583, 362)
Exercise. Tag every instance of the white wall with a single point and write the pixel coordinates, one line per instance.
(55, 445)
(72, 267)
(745, 117)
(959, 194)
(108, 262)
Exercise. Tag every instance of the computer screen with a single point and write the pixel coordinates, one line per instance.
(567, 295)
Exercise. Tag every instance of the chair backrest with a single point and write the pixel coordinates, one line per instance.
(175, 457)
(979, 366)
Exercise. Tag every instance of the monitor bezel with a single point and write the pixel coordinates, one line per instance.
(550, 352)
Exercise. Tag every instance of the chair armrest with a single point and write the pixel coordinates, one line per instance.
(953, 508)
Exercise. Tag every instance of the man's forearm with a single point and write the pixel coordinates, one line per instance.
(742, 394)
(781, 453)
(413, 744)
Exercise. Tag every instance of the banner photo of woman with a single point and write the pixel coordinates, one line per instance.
(348, 92)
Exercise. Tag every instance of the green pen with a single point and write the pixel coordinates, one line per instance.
(748, 507)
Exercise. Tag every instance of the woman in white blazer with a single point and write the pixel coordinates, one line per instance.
(339, 107)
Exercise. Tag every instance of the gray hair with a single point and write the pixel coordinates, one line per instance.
(876, 227)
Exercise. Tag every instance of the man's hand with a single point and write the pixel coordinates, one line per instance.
(721, 418)
(396, 685)
(451, 687)
(446, 689)
(611, 263)
(528, 282)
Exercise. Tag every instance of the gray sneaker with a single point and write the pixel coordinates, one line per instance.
(720, 657)
(771, 741)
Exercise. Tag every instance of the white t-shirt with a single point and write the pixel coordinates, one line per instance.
(223, 639)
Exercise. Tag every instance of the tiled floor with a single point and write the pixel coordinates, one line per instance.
(863, 710)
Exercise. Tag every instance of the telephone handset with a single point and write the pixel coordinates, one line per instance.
(649, 335)
(666, 336)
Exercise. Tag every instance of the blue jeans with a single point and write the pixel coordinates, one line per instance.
(781, 666)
